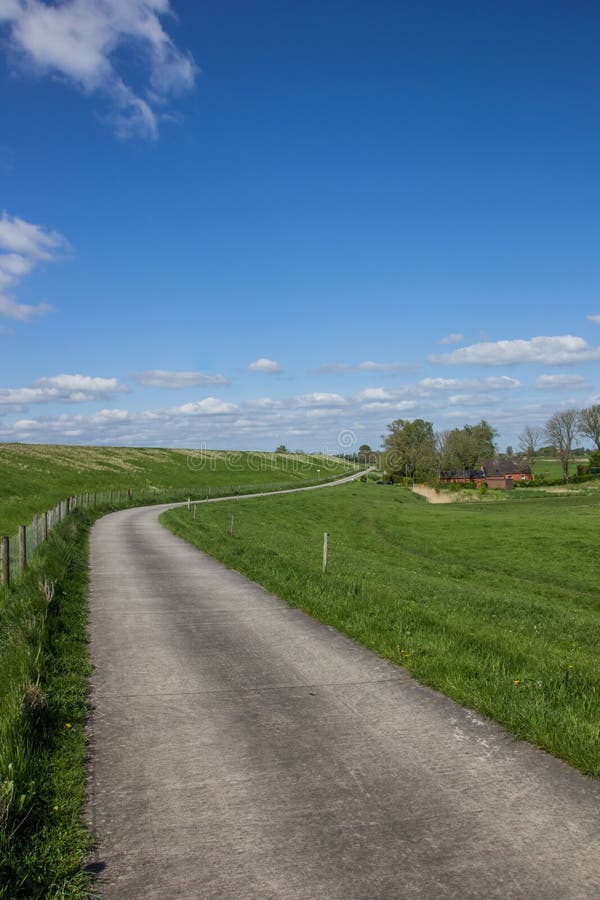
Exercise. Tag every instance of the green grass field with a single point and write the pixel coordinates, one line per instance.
(551, 468)
(34, 477)
(496, 604)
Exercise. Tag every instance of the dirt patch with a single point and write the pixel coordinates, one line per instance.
(433, 496)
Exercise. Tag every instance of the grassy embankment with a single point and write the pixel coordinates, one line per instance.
(44, 660)
(495, 604)
(34, 477)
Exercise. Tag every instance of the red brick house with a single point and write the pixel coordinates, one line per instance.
(496, 473)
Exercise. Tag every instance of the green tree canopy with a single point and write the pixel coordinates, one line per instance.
(410, 448)
(465, 448)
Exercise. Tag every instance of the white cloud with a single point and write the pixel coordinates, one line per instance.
(471, 399)
(26, 246)
(320, 399)
(549, 382)
(270, 366)
(374, 394)
(21, 312)
(369, 366)
(595, 318)
(552, 351)
(162, 378)
(340, 368)
(27, 241)
(454, 338)
(210, 406)
(453, 384)
(60, 389)
(83, 41)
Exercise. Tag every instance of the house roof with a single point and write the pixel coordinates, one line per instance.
(504, 467)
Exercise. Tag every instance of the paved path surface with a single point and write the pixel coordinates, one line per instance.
(242, 750)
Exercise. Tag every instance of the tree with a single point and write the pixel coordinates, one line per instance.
(410, 448)
(465, 448)
(589, 423)
(529, 441)
(366, 456)
(509, 451)
(560, 429)
(282, 449)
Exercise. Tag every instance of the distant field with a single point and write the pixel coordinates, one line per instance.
(34, 477)
(496, 604)
(551, 468)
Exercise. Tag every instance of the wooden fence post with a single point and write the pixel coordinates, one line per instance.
(45, 527)
(325, 540)
(5, 561)
(22, 548)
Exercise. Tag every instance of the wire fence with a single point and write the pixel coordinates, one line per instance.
(18, 550)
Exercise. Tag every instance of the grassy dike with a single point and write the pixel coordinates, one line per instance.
(43, 709)
(495, 602)
(34, 477)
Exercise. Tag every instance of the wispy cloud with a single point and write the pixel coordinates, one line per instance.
(163, 378)
(561, 350)
(83, 42)
(22, 247)
(595, 318)
(268, 366)
(454, 338)
(558, 382)
(453, 384)
(368, 365)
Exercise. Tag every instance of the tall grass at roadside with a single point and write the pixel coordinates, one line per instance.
(43, 707)
(495, 604)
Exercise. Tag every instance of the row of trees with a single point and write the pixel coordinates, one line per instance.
(415, 450)
(560, 431)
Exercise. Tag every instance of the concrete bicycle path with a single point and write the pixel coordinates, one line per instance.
(242, 750)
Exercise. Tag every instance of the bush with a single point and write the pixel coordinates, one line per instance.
(594, 459)
(483, 488)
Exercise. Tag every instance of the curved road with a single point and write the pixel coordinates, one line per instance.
(242, 750)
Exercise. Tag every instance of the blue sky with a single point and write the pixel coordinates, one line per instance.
(240, 223)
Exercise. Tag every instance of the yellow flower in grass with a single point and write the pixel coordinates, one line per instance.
(517, 682)
(68, 725)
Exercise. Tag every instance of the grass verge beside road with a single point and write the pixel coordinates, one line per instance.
(495, 604)
(43, 710)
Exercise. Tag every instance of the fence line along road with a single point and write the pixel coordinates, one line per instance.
(17, 550)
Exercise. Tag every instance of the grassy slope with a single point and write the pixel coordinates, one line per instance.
(494, 603)
(34, 477)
